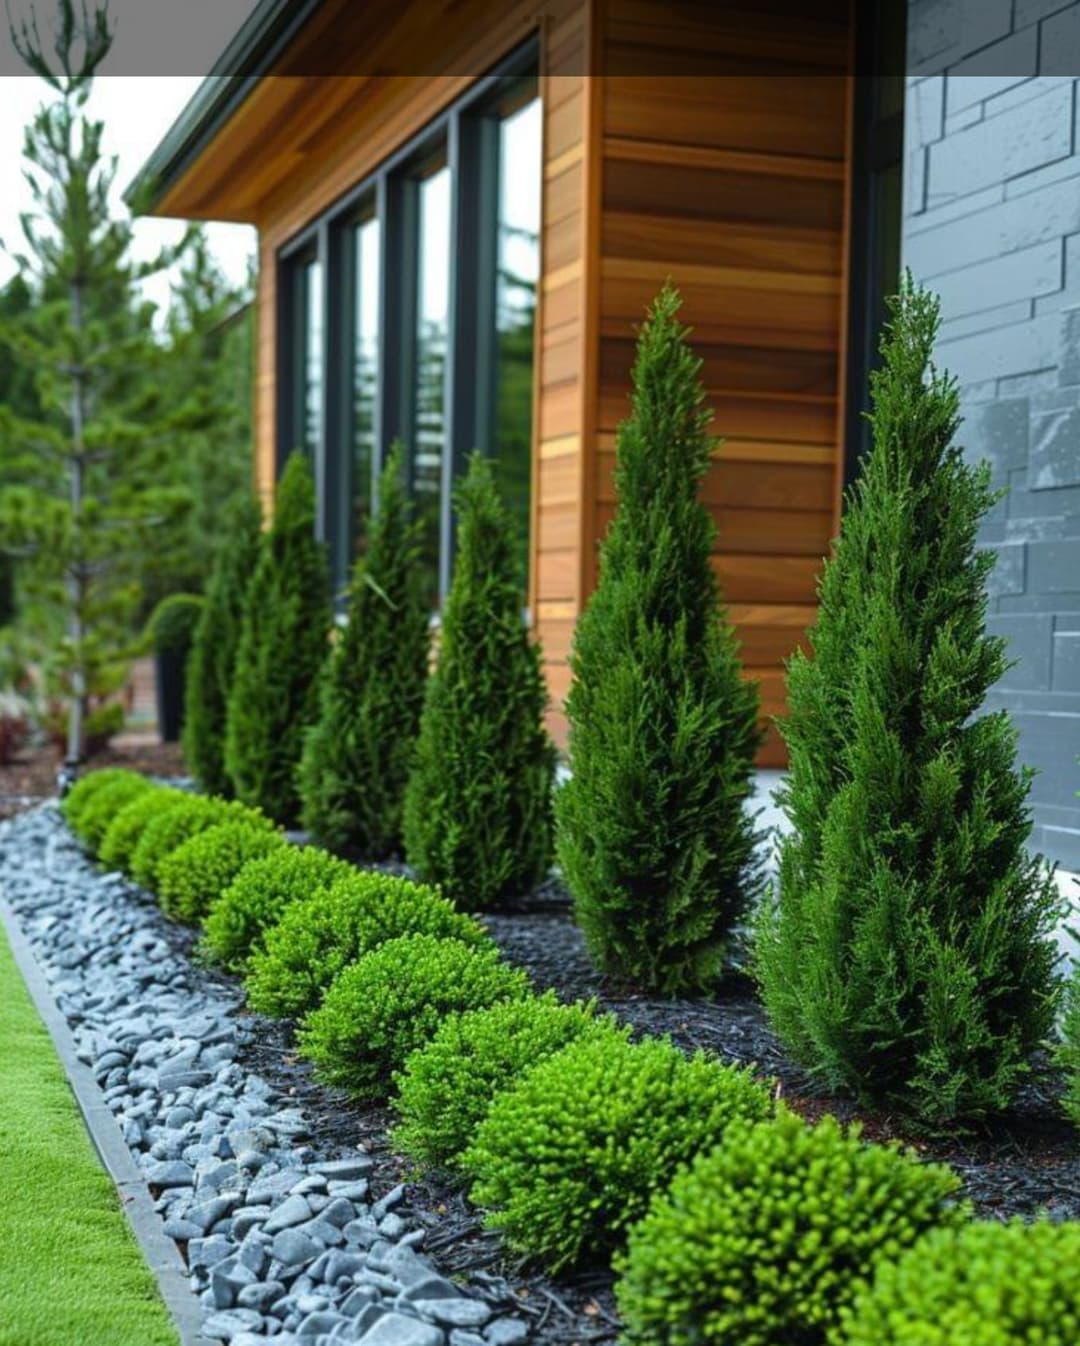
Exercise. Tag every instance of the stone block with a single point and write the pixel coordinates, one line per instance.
(1055, 450)
(998, 431)
(1060, 42)
(1053, 567)
(942, 32)
(1066, 662)
(1007, 577)
(1030, 640)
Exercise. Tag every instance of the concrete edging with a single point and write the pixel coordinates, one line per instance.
(161, 1253)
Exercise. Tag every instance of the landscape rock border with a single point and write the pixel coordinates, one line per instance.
(282, 1240)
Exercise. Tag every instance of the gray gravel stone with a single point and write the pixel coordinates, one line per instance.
(292, 1248)
(394, 1329)
(293, 1210)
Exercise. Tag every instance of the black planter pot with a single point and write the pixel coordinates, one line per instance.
(169, 678)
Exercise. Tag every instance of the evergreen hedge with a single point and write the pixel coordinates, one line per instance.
(356, 757)
(478, 803)
(908, 956)
(653, 834)
(212, 660)
(283, 642)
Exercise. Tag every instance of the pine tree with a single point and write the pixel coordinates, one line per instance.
(283, 642)
(478, 802)
(213, 656)
(356, 757)
(653, 834)
(907, 955)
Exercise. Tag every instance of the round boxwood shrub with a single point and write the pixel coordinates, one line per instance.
(389, 1003)
(764, 1239)
(446, 1087)
(86, 787)
(194, 813)
(194, 875)
(568, 1159)
(171, 627)
(260, 895)
(320, 935)
(986, 1284)
(96, 815)
(123, 833)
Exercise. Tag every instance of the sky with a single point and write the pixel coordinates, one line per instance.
(138, 96)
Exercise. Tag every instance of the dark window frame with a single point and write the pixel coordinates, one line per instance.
(458, 132)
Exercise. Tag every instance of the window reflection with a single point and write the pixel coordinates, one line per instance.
(366, 263)
(311, 400)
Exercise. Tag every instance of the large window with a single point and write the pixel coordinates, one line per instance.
(430, 271)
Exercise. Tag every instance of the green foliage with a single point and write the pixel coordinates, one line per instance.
(86, 787)
(478, 803)
(765, 1239)
(569, 1157)
(283, 642)
(908, 956)
(356, 756)
(319, 935)
(123, 833)
(161, 835)
(988, 1284)
(199, 870)
(172, 623)
(261, 895)
(653, 834)
(383, 1007)
(1068, 1050)
(446, 1087)
(212, 661)
(97, 813)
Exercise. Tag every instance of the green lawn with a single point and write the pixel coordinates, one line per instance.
(71, 1273)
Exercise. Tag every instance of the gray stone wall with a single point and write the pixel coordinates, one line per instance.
(992, 222)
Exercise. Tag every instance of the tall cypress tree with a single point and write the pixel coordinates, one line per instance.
(213, 656)
(653, 835)
(907, 956)
(283, 642)
(478, 803)
(356, 757)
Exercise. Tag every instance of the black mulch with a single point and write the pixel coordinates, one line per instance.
(1027, 1161)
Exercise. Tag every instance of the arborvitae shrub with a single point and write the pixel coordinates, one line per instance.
(213, 653)
(191, 814)
(446, 1087)
(567, 1159)
(987, 1284)
(192, 877)
(283, 641)
(97, 813)
(123, 833)
(383, 1007)
(260, 895)
(653, 834)
(908, 955)
(86, 787)
(319, 936)
(764, 1240)
(356, 756)
(478, 803)
(1068, 1050)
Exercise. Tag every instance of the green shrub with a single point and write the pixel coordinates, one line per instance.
(97, 813)
(123, 833)
(390, 1002)
(210, 667)
(261, 894)
(192, 814)
(478, 803)
(356, 756)
(197, 872)
(283, 642)
(987, 1284)
(446, 1087)
(568, 1159)
(1068, 1050)
(908, 956)
(171, 627)
(654, 837)
(320, 935)
(764, 1240)
(86, 787)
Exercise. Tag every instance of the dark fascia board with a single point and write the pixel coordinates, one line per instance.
(251, 54)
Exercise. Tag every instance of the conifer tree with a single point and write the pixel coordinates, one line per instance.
(907, 955)
(283, 641)
(356, 757)
(653, 834)
(213, 656)
(478, 802)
